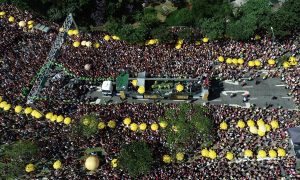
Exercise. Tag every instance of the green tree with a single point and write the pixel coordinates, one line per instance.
(188, 127)
(286, 20)
(181, 17)
(163, 34)
(243, 28)
(260, 9)
(136, 158)
(213, 28)
(87, 126)
(14, 157)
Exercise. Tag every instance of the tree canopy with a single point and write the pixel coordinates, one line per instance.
(136, 158)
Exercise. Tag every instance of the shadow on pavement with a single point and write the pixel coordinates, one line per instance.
(215, 89)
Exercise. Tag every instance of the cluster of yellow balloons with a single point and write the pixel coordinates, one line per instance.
(114, 37)
(168, 159)
(71, 32)
(291, 62)
(58, 118)
(143, 126)
(179, 44)
(11, 19)
(111, 124)
(86, 43)
(151, 42)
(141, 89)
(262, 126)
(260, 130)
(235, 61)
(263, 154)
(209, 153)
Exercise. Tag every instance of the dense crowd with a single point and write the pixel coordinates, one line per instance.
(23, 52)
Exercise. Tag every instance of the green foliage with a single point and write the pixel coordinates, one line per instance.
(243, 28)
(286, 19)
(133, 34)
(209, 9)
(186, 34)
(180, 17)
(163, 34)
(136, 158)
(260, 9)
(14, 157)
(188, 127)
(213, 28)
(87, 126)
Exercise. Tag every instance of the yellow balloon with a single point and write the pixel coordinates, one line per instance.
(212, 154)
(134, 82)
(261, 154)
(29, 168)
(223, 126)
(76, 44)
(167, 159)
(251, 64)
(180, 41)
(241, 61)
(257, 63)
(163, 124)
(281, 152)
(205, 153)
(205, 40)
(274, 124)
(180, 156)
(271, 62)
(272, 153)
(179, 87)
(229, 156)
(11, 19)
(143, 126)
(248, 153)
(7, 107)
(57, 164)
(18, 109)
(250, 123)
(53, 118)
(127, 121)
(111, 124)
(60, 118)
(133, 126)
(96, 45)
(114, 37)
(178, 46)
(49, 115)
(101, 125)
(106, 38)
(154, 127)
(221, 59)
(67, 120)
(241, 124)
(228, 60)
(141, 90)
(114, 163)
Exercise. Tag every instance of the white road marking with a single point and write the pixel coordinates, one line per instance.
(216, 100)
(280, 85)
(252, 98)
(247, 86)
(286, 97)
(240, 91)
(232, 82)
(248, 105)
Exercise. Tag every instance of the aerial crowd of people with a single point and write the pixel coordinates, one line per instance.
(23, 52)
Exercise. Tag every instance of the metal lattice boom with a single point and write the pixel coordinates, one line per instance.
(34, 92)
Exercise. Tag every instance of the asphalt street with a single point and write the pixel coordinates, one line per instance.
(260, 94)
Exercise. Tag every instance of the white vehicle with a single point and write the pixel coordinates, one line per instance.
(107, 88)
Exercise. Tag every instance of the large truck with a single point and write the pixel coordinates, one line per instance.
(107, 88)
